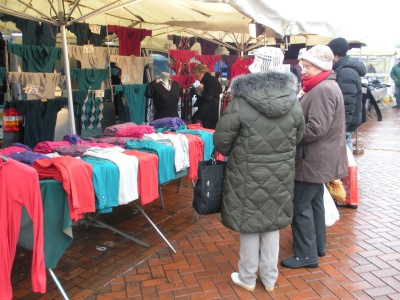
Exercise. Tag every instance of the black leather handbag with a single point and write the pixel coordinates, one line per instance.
(208, 190)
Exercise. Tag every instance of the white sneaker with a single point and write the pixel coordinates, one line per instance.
(236, 280)
(269, 289)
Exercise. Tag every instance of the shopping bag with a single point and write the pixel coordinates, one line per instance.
(350, 183)
(331, 212)
(336, 190)
(345, 192)
(208, 189)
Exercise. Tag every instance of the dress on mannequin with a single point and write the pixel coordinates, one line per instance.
(165, 94)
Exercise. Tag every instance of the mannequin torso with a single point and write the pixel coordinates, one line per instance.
(165, 94)
(165, 78)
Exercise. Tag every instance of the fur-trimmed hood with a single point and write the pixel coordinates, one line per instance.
(272, 93)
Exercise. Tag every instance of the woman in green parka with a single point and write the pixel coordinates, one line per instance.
(259, 131)
(395, 75)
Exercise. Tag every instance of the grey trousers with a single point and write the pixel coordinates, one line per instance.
(259, 251)
(308, 225)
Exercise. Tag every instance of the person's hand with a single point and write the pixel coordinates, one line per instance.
(300, 94)
(200, 88)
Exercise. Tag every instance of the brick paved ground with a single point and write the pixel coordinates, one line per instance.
(363, 247)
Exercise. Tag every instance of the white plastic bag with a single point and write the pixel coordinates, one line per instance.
(331, 211)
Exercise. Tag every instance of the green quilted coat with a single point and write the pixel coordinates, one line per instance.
(259, 131)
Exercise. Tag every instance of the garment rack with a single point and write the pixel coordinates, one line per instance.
(95, 222)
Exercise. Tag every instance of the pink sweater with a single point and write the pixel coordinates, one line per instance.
(15, 193)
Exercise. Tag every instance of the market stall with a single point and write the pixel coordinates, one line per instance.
(77, 30)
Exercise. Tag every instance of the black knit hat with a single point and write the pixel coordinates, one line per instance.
(339, 46)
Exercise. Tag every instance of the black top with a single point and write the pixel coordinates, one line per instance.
(165, 101)
(40, 119)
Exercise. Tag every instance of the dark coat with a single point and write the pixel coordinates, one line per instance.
(371, 70)
(321, 155)
(349, 71)
(208, 101)
(395, 75)
(259, 131)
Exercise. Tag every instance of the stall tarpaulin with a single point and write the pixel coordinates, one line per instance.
(223, 22)
(214, 21)
(292, 18)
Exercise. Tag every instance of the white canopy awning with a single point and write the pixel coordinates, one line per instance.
(200, 17)
(224, 22)
(213, 21)
(356, 21)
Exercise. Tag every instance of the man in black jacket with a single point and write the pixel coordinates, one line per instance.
(349, 72)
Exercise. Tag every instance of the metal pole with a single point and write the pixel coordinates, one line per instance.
(358, 150)
(161, 196)
(155, 227)
(104, 225)
(61, 20)
(357, 138)
(58, 284)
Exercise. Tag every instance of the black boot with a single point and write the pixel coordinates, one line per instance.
(296, 262)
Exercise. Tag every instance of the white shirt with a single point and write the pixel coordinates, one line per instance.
(180, 144)
(128, 170)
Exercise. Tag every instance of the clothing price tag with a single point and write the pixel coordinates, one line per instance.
(95, 28)
(88, 49)
(99, 93)
(32, 89)
(125, 78)
(364, 90)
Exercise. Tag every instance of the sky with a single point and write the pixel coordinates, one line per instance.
(374, 23)
(380, 28)
(377, 38)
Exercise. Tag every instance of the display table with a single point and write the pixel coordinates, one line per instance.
(379, 93)
(56, 222)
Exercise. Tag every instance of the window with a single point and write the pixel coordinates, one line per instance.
(161, 63)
